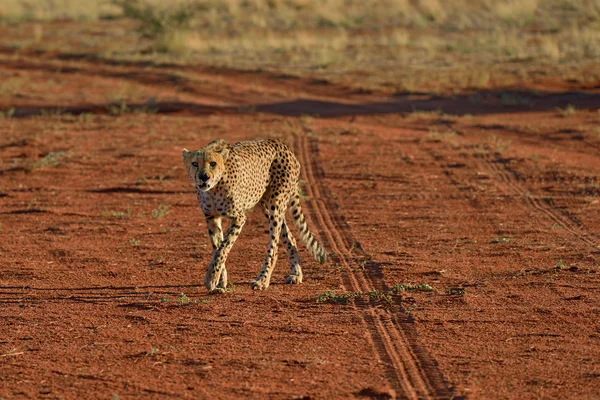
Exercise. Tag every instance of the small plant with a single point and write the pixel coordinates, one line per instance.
(422, 287)
(560, 264)
(86, 117)
(456, 291)
(8, 113)
(352, 247)
(499, 145)
(118, 214)
(377, 295)
(501, 240)
(330, 297)
(161, 211)
(409, 309)
(363, 264)
(134, 241)
(119, 108)
(165, 300)
(32, 203)
(49, 160)
(183, 299)
(567, 111)
(153, 351)
(230, 287)
(436, 136)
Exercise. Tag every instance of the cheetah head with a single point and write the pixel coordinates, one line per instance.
(206, 166)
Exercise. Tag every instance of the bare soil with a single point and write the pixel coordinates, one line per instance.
(491, 198)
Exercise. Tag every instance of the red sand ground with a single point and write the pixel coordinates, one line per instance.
(496, 206)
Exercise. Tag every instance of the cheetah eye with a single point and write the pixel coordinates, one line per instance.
(195, 164)
(213, 164)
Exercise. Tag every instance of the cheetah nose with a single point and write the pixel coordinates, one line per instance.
(203, 177)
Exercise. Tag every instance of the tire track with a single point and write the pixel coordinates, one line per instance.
(411, 371)
(508, 183)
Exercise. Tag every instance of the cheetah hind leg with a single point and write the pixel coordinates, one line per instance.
(263, 279)
(295, 276)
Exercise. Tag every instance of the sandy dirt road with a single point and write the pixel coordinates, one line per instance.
(495, 207)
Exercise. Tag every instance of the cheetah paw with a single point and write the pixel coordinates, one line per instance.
(217, 290)
(293, 279)
(259, 284)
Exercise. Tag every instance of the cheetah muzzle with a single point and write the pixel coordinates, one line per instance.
(230, 180)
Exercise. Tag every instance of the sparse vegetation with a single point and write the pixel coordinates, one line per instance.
(560, 264)
(166, 25)
(286, 36)
(153, 351)
(377, 295)
(331, 297)
(183, 299)
(567, 111)
(118, 214)
(456, 291)
(498, 144)
(501, 240)
(421, 287)
(118, 108)
(230, 287)
(49, 160)
(436, 135)
(373, 296)
(161, 211)
(8, 113)
(134, 242)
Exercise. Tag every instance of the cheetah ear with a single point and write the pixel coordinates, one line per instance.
(220, 146)
(184, 153)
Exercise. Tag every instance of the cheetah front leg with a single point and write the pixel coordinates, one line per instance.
(216, 275)
(215, 232)
(264, 276)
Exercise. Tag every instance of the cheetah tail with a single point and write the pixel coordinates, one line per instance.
(306, 236)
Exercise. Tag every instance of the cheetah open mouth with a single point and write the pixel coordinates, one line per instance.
(203, 186)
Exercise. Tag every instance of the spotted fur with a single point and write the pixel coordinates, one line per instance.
(232, 179)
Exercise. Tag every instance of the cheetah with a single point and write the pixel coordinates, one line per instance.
(230, 180)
